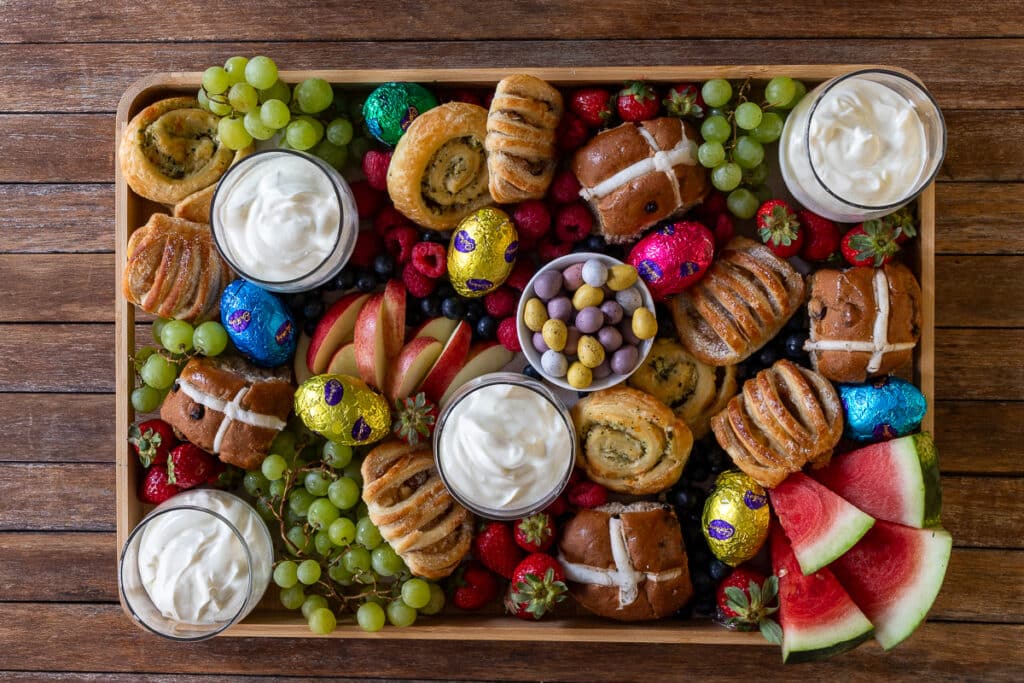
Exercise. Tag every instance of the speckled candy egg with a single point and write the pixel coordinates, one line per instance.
(673, 257)
(259, 325)
(482, 252)
(735, 520)
(390, 109)
(881, 409)
(343, 409)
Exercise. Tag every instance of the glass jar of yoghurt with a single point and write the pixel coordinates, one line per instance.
(196, 565)
(862, 145)
(505, 446)
(284, 220)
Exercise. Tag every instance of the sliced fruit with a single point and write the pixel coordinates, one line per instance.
(299, 364)
(818, 617)
(440, 329)
(820, 525)
(371, 355)
(483, 358)
(394, 317)
(452, 359)
(897, 480)
(411, 366)
(343, 362)
(335, 329)
(894, 574)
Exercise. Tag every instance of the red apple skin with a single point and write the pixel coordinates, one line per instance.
(452, 359)
(343, 362)
(484, 357)
(394, 318)
(411, 366)
(440, 329)
(335, 329)
(370, 353)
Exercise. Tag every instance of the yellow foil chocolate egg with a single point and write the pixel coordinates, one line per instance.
(482, 252)
(343, 409)
(736, 517)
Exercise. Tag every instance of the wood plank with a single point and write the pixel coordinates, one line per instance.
(56, 218)
(979, 364)
(107, 677)
(978, 583)
(982, 148)
(77, 497)
(979, 218)
(58, 567)
(980, 436)
(979, 291)
(983, 512)
(57, 428)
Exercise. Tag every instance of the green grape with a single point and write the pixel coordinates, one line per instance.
(275, 114)
(436, 603)
(300, 134)
(309, 572)
(769, 129)
(158, 327)
(748, 152)
(254, 483)
(314, 95)
(317, 125)
(296, 535)
(370, 617)
(342, 531)
(219, 107)
(235, 66)
(322, 543)
(362, 510)
(265, 510)
(233, 134)
(763, 193)
(283, 443)
(299, 501)
(261, 72)
(322, 513)
(748, 115)
(286, 574)
(273, 467)
(331, 153)
(292, 519)
(141, 355)
(356, 559)
(276, 488)
(292, 598)
(254, 126)
(757, 175)
(176, 336)
(243, 97)
(344, 493)
(742, 203)
(716, 92)
(312, 604)
(316, 483)
(279, 92)
(416, 593)
(322, 621)
(339, 132)
(337, 455)
(216, 80)
(367, 534)
(358, 148)
(400, 614)
(711, 154)
(801, 90)
(726, 177)
(385, 561)
(146, 399)
(715, 129)
(210, 338)
(204, 101)
(354, 472)
(158, 372)
(340, 575)
(780, 90)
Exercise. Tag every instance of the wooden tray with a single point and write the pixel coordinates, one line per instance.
(270, 620)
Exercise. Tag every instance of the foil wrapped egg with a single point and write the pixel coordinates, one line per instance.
(390, 109)
(881, 409)
(673, 257)
(343, 409)
(482, 252)
(736, 517)
(258, 324)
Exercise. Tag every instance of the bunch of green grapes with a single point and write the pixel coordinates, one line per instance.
(335, 560)
(735, 132)
(180, 341)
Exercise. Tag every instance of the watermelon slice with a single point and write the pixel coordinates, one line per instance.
(894, 574)
(820, 525)
(897, 480)
(818, 617)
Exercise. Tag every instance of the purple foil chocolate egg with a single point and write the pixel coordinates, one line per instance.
(673, 257)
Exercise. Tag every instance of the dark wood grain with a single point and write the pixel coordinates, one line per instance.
(56, 497)
(979, 364)
(108, 677)
(980, 436)
(978, 585)
(979, 291)
(57, 428)
(978, 218)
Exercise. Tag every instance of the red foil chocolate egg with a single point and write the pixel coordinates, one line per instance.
(673, 257)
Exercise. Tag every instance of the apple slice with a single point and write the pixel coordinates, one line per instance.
(343, 362)
(394, 318)
(371, 357)
(299, 364)
(483, 358)
(335, 329)
(412, 365)
(437, 328)
(448, 364)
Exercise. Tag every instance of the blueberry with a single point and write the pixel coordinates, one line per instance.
(297, 301)
(702, 583)
(666, 324)
(313, 309)
(795, 345)
(431, 306)
(346, 279)
(366, 281)
(704, 606)
(309, 327)
(683, 498)
(799, 321)
(384, 265)
(413, 315)
(698, 470)
(445, 291)
(718, 569)
(579, 248)
(719, 461)
(453, 308)
(474, 311)
(700, 556)
(431, 236)
(767, 356)
(529, 370)
(596, 243)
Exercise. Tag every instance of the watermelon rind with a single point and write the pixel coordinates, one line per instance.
(826, 640)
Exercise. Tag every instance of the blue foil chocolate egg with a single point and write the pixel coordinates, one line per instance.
(881, 409)
(258, 323)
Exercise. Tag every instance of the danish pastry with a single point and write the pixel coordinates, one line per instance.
(438, 173)
(630, 441)
(196, 206)
(408, 502)
(520, 138)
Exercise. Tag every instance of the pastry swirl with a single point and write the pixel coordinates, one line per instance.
(438, 173)
(630, 441)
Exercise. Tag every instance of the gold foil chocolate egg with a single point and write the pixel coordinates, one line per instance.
(343, 409)
(482, 252)
(736, 517)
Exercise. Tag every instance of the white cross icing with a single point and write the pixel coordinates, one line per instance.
(233, 411)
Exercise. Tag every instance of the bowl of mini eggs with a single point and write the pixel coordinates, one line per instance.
(586, 321)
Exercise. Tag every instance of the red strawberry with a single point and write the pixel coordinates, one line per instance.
(368, 200)
(416, 283)
(532, 219)
(565, 188)
(903, 221)
(220, 476)
(414, 419)
(152, 440)
(155, 487)
(502, 302)
(508, 335)
(779, 228)
(189, 466)
(375, 166)
(475, 586)
(368, 245)
(637, 102)
(399, 242)
(571, 132)
(538, 584)
(821, 236)
(522, 272)
(684, 100)
(388, 218)
(592, 105)
(871, 243)
(573, 223)
(552, 249)
(558, 508)
(430, 258)
(724, 229)
(587, 494)
(495, 546)
(535, 533)
(746, 601)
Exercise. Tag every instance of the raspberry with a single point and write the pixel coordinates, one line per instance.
(508, 336)
(521, 275)
(430, 258)
(375, 166)
(368, 200)
(532, 219)
(417, 284)
(572, 132)
(399, 242)
(587, 494)
(368, 245)
(558, 508)
(461, 95)
(387, 218)
(549, 251)
(501, 302)
(723, 230)
(712, 206)
(565, 189)
(573, 223)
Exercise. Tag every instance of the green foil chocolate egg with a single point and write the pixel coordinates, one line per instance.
(343, 409)
(736, 517)
(390, 109)
(482, 252)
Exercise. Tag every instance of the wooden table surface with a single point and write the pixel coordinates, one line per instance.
(63, 66)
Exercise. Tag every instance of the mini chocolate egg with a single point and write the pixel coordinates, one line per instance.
(602, 370)
(624, 360)
(554, 363)
(612, 312)
(579, 376)
(629, 299)
(548, 284)
(343, 409)
(390, 109)
(673, 257)
(586, 296)
(595, 272)
(560, 308)
(644, 325)
(535, 314)
(736, 517)
(539, 343)
(572, 277)
(258, 324)
(555, 332)
(610, 338)
(621, 276)
(482, 252)
(590, 351)
(572, 342)
(881, 409)
(589, 320)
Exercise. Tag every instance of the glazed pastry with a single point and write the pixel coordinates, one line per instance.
(626, 562)
(416, 515)
(173, 269)
(229, 407)
(743, 300)
(785, 417)
(196, 206)
(693, 390)
(438, 173)
(640, 173)
(864, 321)
(171, 149)
(630, 441)
(520, 139)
